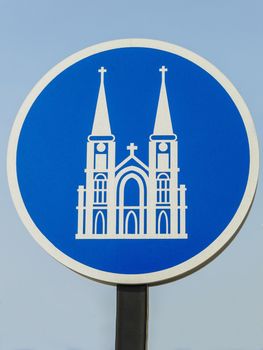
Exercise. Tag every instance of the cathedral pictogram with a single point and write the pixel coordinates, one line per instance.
(157, 207)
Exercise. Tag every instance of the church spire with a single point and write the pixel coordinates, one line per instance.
(163, 123)
(101, 123)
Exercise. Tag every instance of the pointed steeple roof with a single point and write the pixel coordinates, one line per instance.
(101, 123)
(163, 123)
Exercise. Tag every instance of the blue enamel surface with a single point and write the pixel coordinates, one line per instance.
(212, 141)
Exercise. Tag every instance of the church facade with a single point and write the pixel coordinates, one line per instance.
(132, 199)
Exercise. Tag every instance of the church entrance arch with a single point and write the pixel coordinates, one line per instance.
(131, 203)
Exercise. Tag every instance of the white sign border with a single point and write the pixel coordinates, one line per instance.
(193, 263)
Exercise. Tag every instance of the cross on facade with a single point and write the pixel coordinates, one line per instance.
(163, 70)
(102, 70)
(132, 148)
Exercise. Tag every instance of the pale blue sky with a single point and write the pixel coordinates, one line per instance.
(43, 305)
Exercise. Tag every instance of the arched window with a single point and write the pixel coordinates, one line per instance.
(163, 188)
(100, 189)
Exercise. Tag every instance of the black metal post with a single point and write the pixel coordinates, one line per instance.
(131, 320)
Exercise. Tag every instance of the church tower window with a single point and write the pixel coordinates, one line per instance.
(163, 188)
(100, 189)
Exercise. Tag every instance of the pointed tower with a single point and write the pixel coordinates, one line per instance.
(163, 124)
(163, 212)
(101, 122)
(98, 196)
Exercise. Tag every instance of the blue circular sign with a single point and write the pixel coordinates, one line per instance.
(133, 161)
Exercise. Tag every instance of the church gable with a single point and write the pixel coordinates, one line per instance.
(132, 160)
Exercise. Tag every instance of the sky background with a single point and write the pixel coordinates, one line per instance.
(43, 305)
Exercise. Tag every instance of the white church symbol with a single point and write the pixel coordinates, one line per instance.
(158, 208)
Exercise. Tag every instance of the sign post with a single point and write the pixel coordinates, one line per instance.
(131, 320)
(133, 162)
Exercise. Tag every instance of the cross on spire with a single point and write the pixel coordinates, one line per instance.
(163, 70)
(132, 147)
(102, 70)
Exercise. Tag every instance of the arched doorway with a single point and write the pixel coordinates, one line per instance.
(99, 223)
(131, 204)
(163, 223)
(131, 223)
